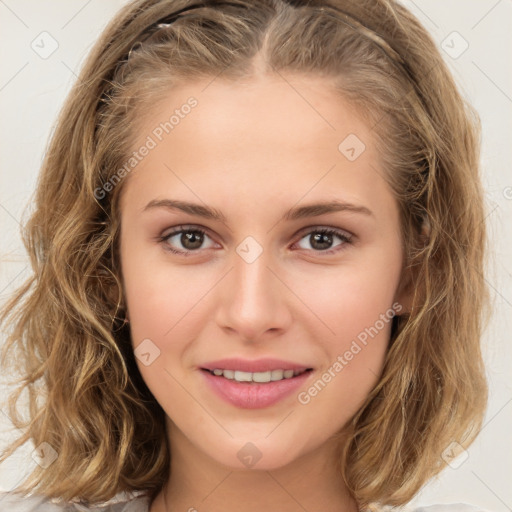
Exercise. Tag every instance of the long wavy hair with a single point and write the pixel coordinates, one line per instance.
(66, 339)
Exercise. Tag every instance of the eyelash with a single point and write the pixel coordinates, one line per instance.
(345, 237)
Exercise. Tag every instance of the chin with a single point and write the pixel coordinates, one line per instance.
(255, 455)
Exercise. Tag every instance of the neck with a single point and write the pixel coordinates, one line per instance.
(197, 482)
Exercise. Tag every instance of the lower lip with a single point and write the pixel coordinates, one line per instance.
(250, 395)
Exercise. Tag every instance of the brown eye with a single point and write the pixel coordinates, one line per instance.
(184, 240)
(322, 240)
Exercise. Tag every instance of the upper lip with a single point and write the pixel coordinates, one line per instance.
(253, 366)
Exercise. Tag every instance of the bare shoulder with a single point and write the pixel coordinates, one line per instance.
(14, 502)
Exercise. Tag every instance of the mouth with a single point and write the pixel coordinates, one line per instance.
(256, 377)
(255, 390)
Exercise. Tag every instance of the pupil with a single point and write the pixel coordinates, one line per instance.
(320, 238)
(191, 240)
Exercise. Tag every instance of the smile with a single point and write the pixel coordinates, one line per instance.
(256, 377)
(257, 390)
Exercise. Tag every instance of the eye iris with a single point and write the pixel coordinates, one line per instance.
(322, 239)
(191, 239)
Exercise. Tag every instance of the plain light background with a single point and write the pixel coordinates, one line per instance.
(42, 45)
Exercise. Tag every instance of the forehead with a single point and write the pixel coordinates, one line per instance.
(304, 106)
(271, 137)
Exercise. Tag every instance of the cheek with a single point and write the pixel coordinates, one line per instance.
(163, 306)
(160, 298)
(348, 301)
(355, 309)
(359, 316)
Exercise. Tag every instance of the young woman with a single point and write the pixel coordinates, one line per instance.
(258, 248)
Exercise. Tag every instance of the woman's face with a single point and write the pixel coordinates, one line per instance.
(245, 163)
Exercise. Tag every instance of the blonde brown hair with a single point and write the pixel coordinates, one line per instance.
(67, 331)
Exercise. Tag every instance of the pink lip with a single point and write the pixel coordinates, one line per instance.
(251, 395)
(252, 366)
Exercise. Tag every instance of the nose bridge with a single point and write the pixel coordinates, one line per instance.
(253, 301)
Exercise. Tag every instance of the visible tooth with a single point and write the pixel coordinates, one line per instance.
(277, 374)
(242, 376)
(262, 376)
(229, 374)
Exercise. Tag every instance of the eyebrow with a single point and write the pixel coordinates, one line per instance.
(296, 213)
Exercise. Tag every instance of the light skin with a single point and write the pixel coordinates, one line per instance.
(253, 150)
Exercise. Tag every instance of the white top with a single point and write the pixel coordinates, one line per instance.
(11, 502)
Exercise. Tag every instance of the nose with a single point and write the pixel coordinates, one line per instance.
(254, 300)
